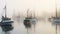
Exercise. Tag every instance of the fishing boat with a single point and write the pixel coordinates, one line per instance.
(55, 19)
(5, 20)
(33, 20)
(27, 20)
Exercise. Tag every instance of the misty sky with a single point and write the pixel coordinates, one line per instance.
(39, 6)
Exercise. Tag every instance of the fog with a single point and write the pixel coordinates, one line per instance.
(40, 7)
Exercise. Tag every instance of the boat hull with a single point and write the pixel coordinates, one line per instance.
(54, 20)
(6, 23)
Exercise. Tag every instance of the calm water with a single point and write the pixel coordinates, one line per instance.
(41, 27)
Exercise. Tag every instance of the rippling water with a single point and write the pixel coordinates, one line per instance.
(41, 27)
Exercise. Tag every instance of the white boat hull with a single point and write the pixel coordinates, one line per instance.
(55, 20)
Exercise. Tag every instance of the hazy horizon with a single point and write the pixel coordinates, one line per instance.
(39, 6)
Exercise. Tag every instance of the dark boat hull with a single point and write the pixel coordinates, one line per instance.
(6, 23)
(27, 23)
(6, 28)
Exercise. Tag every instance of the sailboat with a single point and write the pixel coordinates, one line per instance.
(5, 20)
(33, 19)
(27, 20)
(55, 19)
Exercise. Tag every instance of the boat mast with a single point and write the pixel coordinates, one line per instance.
(31, 16)
(27, 12)
(56, 8)
(5, 11)
(34, 14)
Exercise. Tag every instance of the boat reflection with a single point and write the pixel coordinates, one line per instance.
(7, 28)
(57, 27)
